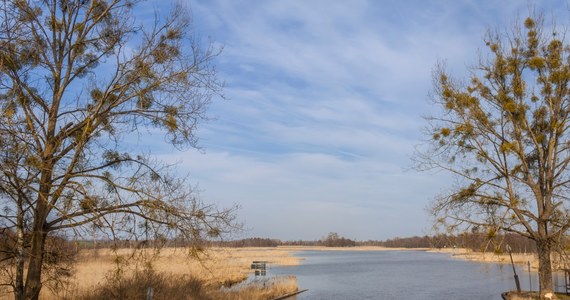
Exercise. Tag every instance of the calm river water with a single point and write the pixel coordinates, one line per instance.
(400, 275)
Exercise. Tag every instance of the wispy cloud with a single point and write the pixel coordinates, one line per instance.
(325, 108)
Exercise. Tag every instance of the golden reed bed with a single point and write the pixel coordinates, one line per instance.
(216, 266)
(217, 271)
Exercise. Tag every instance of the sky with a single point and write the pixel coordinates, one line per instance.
(324, 106)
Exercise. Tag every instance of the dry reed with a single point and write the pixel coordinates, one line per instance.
(558, 262)
(105, 274)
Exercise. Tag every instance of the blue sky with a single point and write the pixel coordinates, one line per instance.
(324, 109)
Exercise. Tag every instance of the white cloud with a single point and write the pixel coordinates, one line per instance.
(324, 110)
(313, 192)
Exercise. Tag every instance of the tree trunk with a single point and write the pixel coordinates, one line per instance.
(36, 256)
(20, 244)
(544, 267)
(39, 232)
(33, 279)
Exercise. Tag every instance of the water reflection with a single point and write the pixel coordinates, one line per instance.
(403, 275)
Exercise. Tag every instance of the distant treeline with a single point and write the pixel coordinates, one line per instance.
(333, 239)
(249, 242)
(472, 240)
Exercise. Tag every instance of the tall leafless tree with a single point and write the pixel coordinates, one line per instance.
(505, 136)
(77, 79)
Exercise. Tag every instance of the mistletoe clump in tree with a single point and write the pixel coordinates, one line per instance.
(76, 78)
(505, 135)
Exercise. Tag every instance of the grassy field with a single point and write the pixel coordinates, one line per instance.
(219, 274)
(217, 266)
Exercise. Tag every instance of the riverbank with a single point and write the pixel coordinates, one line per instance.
(216, 266)
(220, 273)
(357, 248)
(488, 257)
(458, 253)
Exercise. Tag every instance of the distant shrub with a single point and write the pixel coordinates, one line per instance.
(335, 240)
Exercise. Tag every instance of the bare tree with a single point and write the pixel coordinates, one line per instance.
(77, 78)
(505, 137)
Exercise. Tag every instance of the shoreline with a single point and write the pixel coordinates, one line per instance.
(457, 253)
(356, 248)
(489, 257)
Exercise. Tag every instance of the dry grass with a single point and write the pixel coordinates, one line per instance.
(217, 266)
(96, 270)
(135, 286)
(518, 258)
(266, 289)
